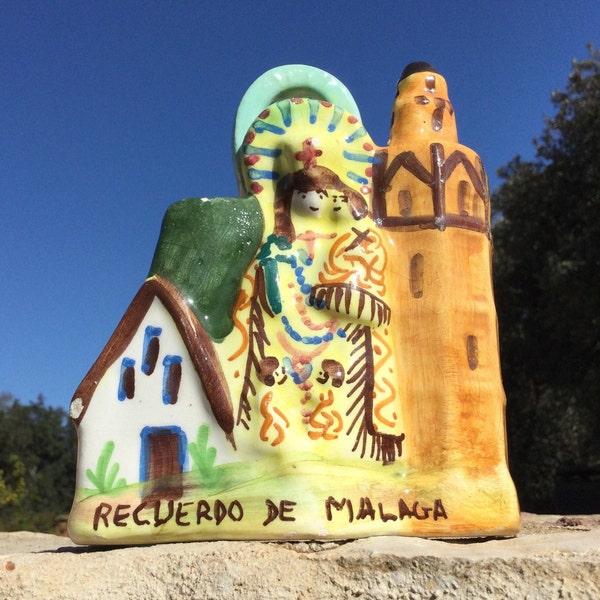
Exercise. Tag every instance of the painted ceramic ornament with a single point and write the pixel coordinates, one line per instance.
(318, 358)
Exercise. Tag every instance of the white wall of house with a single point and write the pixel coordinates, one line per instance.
(121, 421)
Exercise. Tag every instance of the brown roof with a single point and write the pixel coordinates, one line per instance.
(197, 341)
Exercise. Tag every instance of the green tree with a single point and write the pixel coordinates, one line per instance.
(12, 482)
(547, 282)
(37, 461)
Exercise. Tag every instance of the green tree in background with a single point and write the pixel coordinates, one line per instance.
(12, 481)
(37, 464)
(547, 282)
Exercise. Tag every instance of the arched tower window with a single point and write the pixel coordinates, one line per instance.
(472, 352)
(464, 199)
(404, 203)
(416, 275)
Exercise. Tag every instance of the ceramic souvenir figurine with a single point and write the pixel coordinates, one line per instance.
(318, 358)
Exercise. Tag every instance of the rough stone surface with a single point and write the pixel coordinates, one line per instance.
(553, 557)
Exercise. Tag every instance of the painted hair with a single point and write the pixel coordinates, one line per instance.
(311, 180)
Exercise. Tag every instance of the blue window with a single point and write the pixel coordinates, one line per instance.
(127, 379)
(151, 349)
(171, 378)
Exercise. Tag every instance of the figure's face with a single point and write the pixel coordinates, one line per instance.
(316, 204)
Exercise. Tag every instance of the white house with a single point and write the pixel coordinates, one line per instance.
(145, 398)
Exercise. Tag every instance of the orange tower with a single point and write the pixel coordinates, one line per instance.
(431, 196)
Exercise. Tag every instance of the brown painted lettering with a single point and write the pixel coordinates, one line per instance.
(386, 516)
(238, 514)
(286, 506)
(272, 512)
(203, 512)
(102, 512)
(403, 509)
(119, 516)
(439, 510)
(182, 513)
(365, 509)
(275, 511)
(136, 513)
(158, 521)
(220, 512)
(415, 512)
(331, 501)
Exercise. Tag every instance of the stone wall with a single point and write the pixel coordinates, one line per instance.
(553, 557)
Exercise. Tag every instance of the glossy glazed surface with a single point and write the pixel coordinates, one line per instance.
(317, 358)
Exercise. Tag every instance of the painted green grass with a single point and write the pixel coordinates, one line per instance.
(104, 478)
(203, 458)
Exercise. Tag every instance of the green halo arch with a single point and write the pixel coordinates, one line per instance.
(287, 81)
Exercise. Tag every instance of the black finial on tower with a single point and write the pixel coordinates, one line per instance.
(416, 67)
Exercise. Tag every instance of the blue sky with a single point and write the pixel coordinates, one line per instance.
(112, 111)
